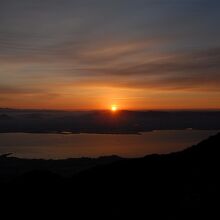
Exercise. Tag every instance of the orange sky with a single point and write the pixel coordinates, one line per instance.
(134, 54)
(104, 98)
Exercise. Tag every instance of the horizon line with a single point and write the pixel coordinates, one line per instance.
(106, 109)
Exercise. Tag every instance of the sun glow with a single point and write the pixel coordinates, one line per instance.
(114, 108)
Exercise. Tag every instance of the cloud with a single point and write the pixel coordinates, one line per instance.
(55, 28)
(195, 70)
(5, 89)
(47, 47)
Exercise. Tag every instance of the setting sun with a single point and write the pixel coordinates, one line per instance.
(114, 108)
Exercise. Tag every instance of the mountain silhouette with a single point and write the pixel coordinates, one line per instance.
(5, 117)
(103, 121)
(179, 185)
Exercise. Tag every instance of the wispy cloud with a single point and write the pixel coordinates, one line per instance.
(49, 47)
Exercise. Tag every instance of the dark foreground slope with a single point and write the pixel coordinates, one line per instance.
(176, 186)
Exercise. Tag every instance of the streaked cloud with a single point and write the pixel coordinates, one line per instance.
(62, 50)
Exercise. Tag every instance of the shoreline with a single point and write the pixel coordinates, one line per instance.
(106, 133)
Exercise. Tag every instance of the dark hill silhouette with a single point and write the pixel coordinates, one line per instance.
(180, 185)
(14, 168)
(5, 117)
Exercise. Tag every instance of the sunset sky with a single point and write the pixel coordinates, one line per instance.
(92, 54)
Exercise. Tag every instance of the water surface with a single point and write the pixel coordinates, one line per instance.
(57, 146)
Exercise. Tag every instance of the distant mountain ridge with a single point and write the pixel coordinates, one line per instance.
(121, 122)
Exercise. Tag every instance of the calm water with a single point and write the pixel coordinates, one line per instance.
(58, 146)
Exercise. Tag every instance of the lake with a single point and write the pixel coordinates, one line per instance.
(58, 146)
